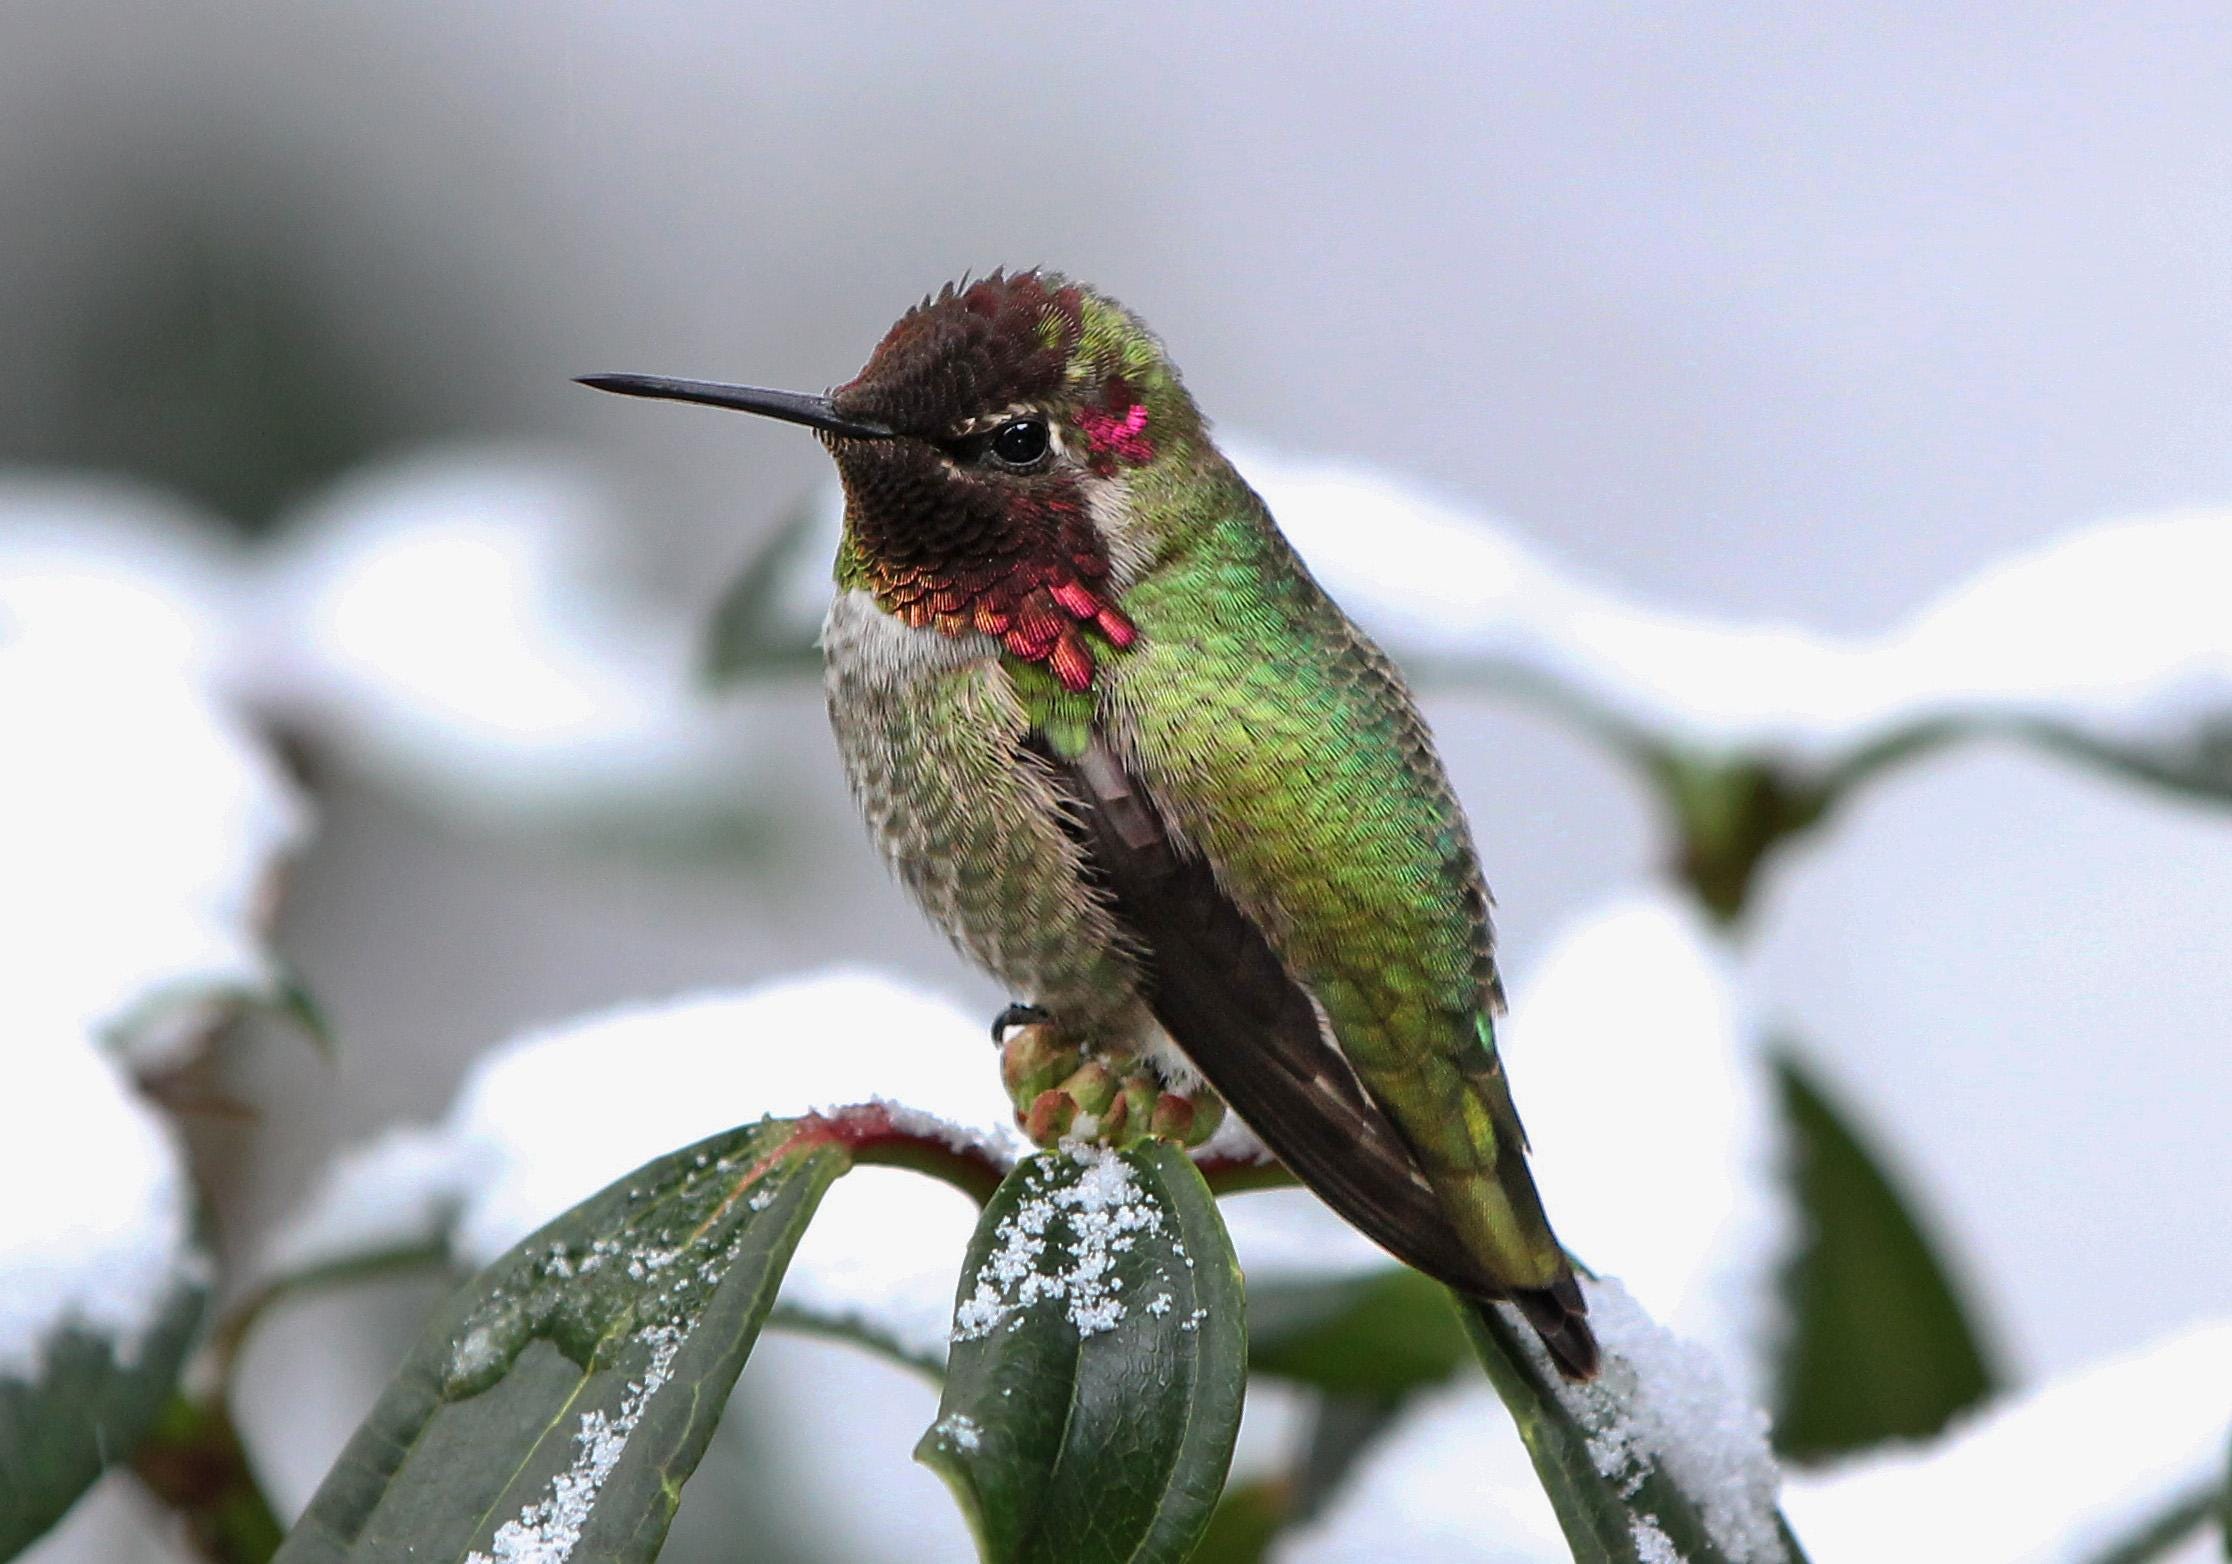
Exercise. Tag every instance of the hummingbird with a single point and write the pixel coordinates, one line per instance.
(1133, 760)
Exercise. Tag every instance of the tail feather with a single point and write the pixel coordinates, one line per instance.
(1559, 1315)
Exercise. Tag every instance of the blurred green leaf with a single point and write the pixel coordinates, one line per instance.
(1637, 1514)
(568, 1391)
(2199, 765)
(85, 1412)
(753, 631)
(1381, 1335)
(1882, 1345)
(1729, 817)
(1244, 1523)
(1100, 1358)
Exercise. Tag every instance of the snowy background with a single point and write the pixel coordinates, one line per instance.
(1760, 367)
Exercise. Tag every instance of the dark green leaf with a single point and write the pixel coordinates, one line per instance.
(1882, 1345)
(569, 1389)
(1640, 1511)
(85, 1412)
(1381, 1334)
(1094, 1388)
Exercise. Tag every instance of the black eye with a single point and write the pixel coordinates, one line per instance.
(1020, 442)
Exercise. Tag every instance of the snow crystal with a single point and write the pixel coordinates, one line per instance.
(1104, 1210)
(140, 827)
(547, 1531)
(959, 1430)
(2058, 1473)
(97, 1230)
(1653, 1546)
(1663, 1402)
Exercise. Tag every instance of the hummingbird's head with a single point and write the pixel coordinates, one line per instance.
(996, 452)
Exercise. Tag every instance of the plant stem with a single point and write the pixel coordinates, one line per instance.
(875, 1137)
(195, 1466)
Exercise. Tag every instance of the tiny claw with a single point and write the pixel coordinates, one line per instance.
(1015, 1015)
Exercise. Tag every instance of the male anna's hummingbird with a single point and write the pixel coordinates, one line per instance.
(1127, 753)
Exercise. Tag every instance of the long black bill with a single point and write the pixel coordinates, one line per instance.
(793, 407)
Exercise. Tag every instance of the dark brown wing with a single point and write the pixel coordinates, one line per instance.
(1222, 993)
(1218, 988)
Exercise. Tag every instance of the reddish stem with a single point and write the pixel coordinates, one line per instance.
(871, 1136)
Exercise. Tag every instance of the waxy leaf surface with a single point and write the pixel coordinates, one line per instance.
(556, 1404)
(84, 1412)
(1098, 1364)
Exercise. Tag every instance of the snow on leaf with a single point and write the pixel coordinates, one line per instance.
(548, 1531)
(1663, 1402)
(117, 574)
(2110, 638)
(1452, 1481)
(1103, 1212)
(97, 1232)
(141, 825)
(548, 1118)
(456, 623)
(2058, 1473)
(959, 1429)
(668, 1073)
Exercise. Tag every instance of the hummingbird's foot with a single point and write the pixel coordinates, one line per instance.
(1016, 1015)
(1061, 1095)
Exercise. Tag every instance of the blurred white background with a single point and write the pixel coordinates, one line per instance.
(1747, 309)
